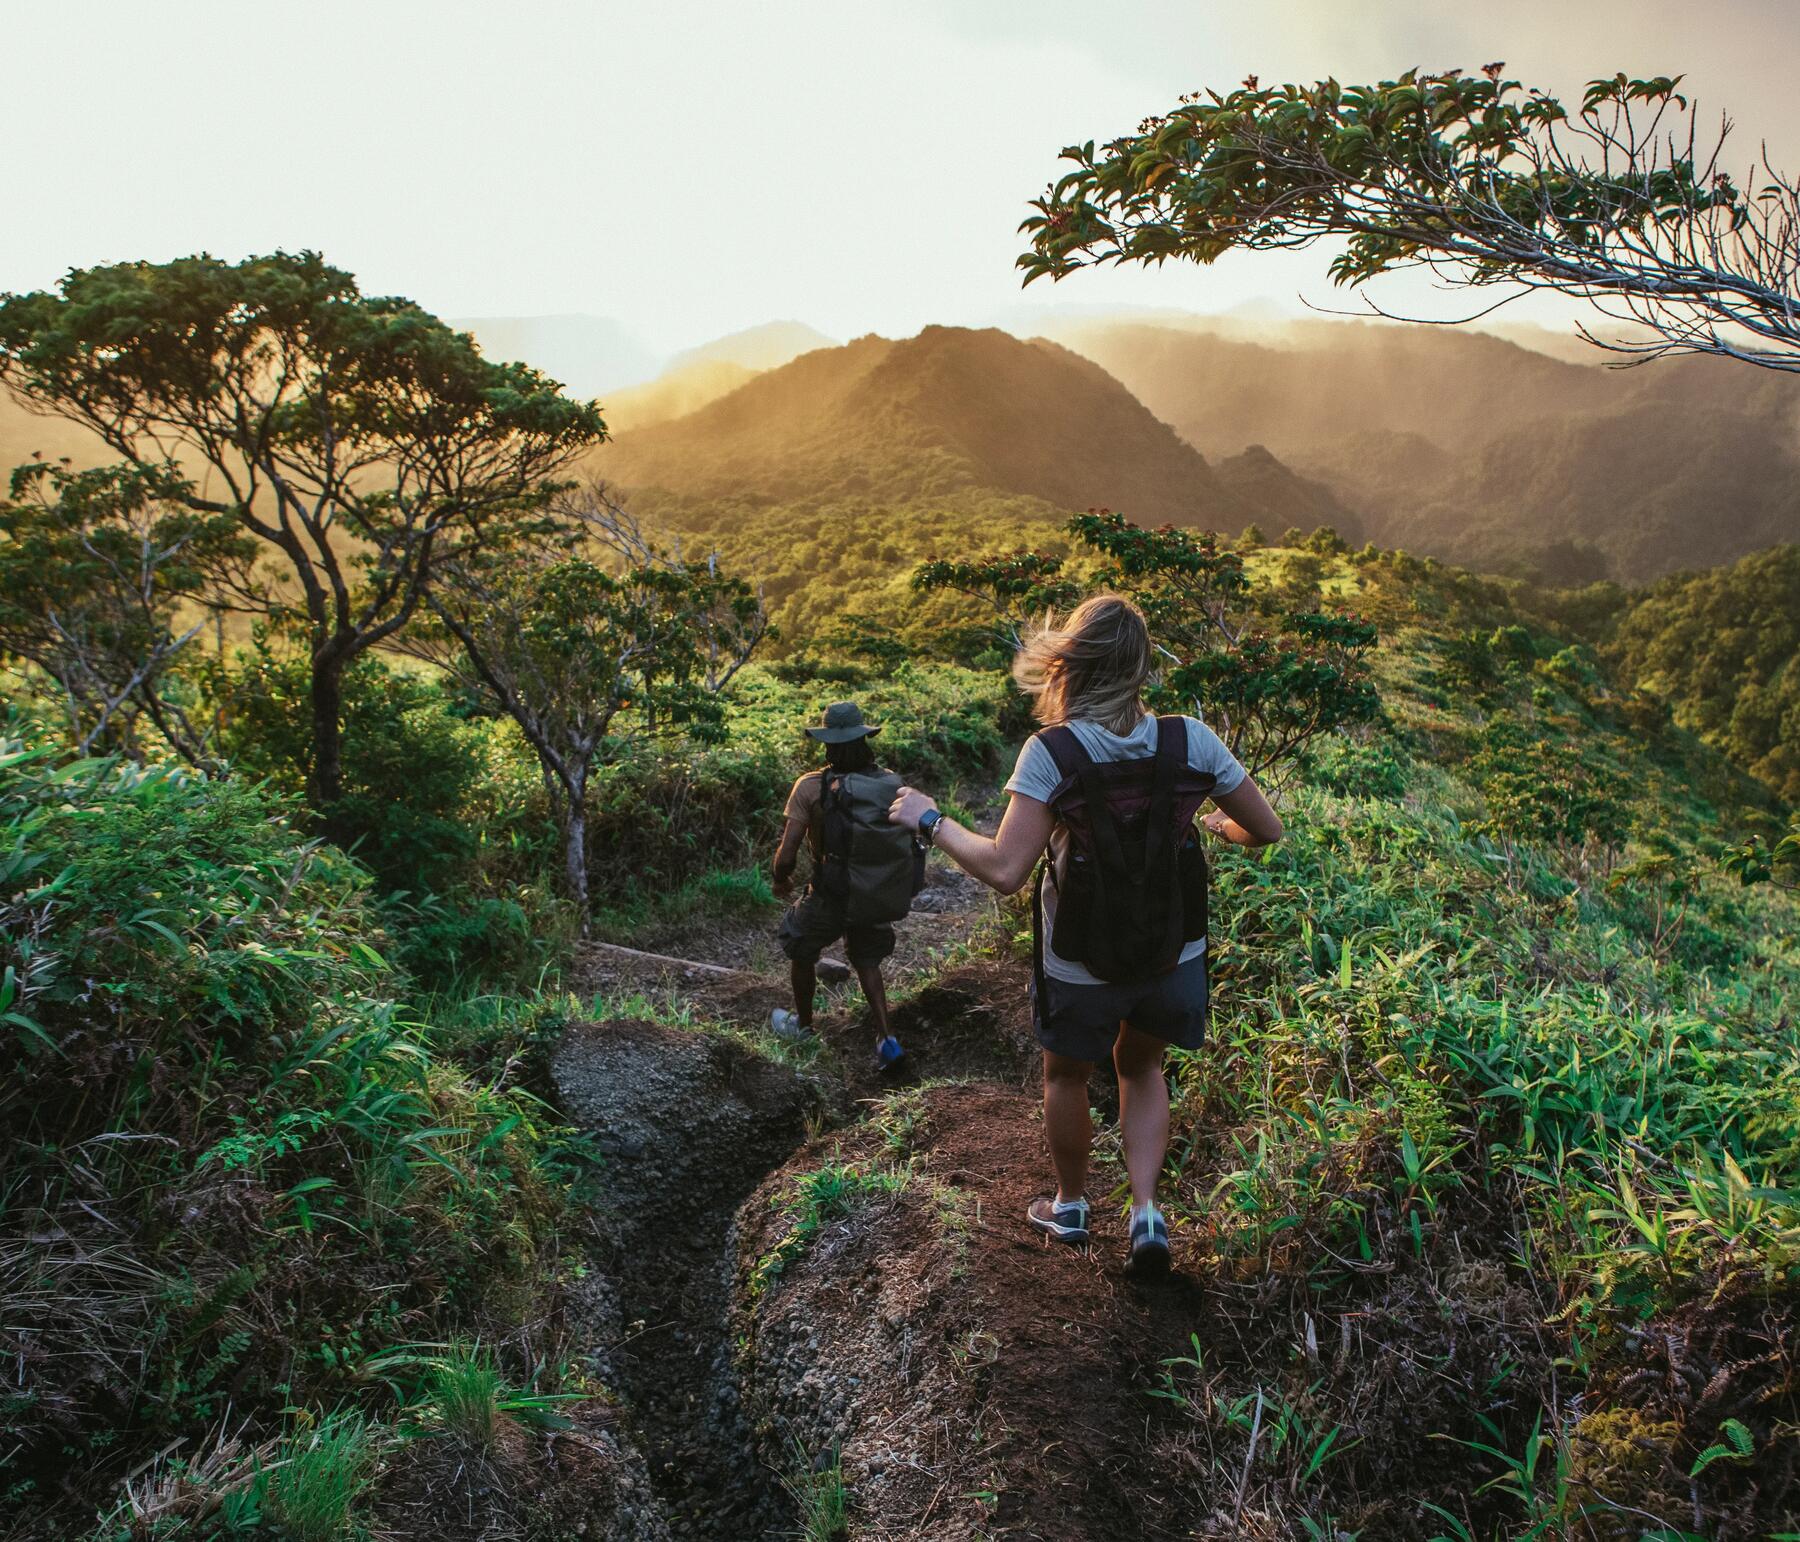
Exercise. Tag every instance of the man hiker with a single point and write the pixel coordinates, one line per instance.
(1119, 927)
(865, 871)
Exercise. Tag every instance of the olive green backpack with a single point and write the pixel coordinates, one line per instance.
(872, 865)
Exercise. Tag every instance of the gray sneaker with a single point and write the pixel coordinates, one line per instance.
(1060, 1221)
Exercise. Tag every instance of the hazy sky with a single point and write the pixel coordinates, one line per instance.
(695, 166)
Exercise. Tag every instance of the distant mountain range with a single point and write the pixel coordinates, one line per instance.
(1447, 442)
(1473, 448)
(701, 375)
(597, 356)
(946, 414)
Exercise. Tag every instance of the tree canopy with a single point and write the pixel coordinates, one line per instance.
(362, 438)
(1475, 176)
(1270, 691)
(105, 577)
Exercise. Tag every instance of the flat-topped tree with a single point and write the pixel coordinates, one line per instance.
(1620, 201)
(361, 438)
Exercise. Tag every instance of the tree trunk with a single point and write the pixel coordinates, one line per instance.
(575, 856)
(328, 734)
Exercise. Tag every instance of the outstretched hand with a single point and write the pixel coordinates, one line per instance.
(910, 807)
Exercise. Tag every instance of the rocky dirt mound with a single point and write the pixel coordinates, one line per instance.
(976, 1382)
(582, 1478)
(972, 1380)
(972, 1022)
(689, 1123)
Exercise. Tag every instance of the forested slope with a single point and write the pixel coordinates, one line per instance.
(1471, 448)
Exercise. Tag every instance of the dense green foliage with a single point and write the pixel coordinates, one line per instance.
(239, 1172)
(1722, 647)
(1495, 1017)
(817, 560)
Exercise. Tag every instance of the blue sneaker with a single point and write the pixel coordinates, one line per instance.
(1149, 1244)
(888, 1054)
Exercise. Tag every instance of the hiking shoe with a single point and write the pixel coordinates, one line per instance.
(1149, 1244)
(786, 1024)
(888, 1054)
(1061, 1221)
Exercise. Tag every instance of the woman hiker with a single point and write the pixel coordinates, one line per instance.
(1111, 791)
(819, 918)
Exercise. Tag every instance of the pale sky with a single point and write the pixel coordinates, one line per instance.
(691, 167)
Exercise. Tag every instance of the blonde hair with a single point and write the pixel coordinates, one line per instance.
(1092, 667)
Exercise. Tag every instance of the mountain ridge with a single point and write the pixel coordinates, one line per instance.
(1482, 451)
(949, 411)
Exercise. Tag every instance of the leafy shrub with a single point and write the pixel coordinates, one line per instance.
(1372, 769)
(259, 1174)
(412, 768)
(1540, 790)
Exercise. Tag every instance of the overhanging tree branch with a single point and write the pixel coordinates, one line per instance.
(1471, 176)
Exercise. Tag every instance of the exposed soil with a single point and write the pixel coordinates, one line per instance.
(979, 1382)
(581, 1480)
(973, 1381)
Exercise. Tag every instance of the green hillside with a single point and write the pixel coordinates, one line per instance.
(1485, 1055)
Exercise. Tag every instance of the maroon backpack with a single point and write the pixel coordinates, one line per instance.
(1132, 892)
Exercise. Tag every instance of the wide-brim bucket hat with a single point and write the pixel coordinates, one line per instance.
(841, 722)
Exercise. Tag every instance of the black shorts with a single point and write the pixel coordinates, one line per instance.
(1082, 1021)
(815, 921)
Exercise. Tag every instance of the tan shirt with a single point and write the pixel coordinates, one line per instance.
(806, 806)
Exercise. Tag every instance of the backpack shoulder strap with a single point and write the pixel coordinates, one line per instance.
(831, 810)
(1066, 749)
(1172, 739)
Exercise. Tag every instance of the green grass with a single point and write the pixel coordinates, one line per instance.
(814, 1199)
(718, 894)
(821, 1497)
(312, 1487)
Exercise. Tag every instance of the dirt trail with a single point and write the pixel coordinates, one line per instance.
(973, 1382)
(690, 1123)
(1003, 1389)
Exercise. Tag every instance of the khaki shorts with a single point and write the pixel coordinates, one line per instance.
(816, 920)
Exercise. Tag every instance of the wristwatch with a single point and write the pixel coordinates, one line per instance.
(928, 823)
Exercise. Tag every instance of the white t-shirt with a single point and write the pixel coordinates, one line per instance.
(1036, 776)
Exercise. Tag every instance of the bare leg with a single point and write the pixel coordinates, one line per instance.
(806, 983)
(1068, 1125)
(1143, 1110)
(875, 990)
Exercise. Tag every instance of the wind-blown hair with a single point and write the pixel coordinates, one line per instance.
(1092, 667)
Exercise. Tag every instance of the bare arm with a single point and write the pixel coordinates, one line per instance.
(1002, 861)
(1243, 817)
(786, 855)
